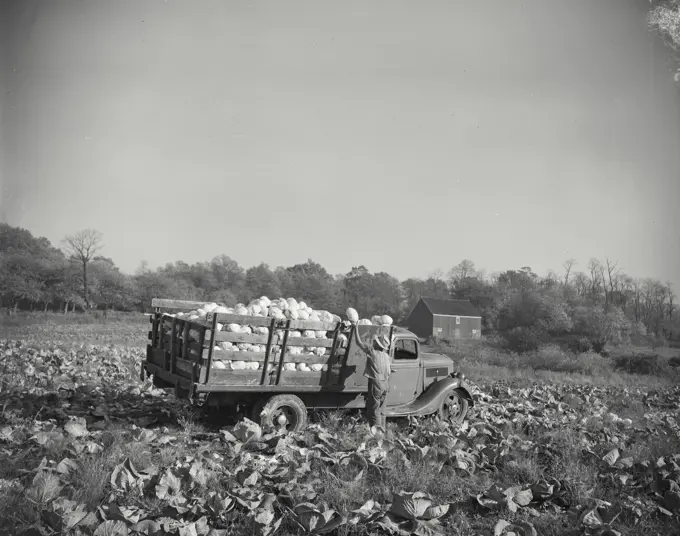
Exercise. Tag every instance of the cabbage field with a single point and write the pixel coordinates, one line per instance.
(86, 448)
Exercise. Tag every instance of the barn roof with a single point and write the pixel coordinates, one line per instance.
(438, 306)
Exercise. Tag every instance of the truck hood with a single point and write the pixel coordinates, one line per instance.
(437, 360)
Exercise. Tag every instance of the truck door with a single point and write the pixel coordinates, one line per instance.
(406, 378)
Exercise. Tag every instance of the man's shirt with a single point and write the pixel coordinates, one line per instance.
(377, 365)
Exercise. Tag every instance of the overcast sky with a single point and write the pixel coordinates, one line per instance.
(404, 136)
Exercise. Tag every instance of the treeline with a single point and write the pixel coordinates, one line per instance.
(597, 304)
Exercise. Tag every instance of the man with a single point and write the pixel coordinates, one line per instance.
(378, 369)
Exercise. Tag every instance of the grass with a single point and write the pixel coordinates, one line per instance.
(625, 366)
(536, 439)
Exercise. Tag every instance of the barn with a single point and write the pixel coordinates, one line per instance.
(450, 319)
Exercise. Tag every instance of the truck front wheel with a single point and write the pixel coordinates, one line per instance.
(286, 412)
(454, 408)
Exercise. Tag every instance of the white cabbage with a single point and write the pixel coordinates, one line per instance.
(386, 320)
(352, 314)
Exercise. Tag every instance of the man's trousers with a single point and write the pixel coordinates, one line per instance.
(375, 403)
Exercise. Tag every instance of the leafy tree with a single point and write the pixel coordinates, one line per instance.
(261, 281)
(664, 18)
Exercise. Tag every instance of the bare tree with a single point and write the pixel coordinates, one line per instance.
(568, 265)
(671, 298)
(82, 247)
(608, 282)
(581, 284)
(595, 269)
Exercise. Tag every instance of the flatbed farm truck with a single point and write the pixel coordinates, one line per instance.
(182, 354)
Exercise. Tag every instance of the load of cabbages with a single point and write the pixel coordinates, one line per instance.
(280, 309)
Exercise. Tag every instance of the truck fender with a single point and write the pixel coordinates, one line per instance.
(463, 392)
(429, 401)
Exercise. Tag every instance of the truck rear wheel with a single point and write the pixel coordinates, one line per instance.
(286, 412)
(454, 408)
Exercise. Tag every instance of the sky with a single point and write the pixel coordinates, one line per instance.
(399, 135)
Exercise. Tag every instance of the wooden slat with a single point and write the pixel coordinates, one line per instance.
(268, 351)
(184, 368)
(242, 320)
(211, 345)
(177, 304)
(241, 337)
(260, 357)
(311, 324)
(185, 340)
(249, 320)
(195, 348)
(235, 377)
(173, 345)
(302, 378)
(302, 341)
(284, 350)
(160, 332)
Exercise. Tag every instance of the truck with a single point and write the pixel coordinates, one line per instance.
(185, 355)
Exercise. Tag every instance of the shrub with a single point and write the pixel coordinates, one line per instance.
(650, 364)
(580, 345)
(522, 340)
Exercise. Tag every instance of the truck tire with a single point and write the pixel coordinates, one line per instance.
(282, 411)
(454, 408)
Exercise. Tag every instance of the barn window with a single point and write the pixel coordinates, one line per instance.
(405, 349)
(457, 320)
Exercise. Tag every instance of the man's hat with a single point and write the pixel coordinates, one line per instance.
(383, 341)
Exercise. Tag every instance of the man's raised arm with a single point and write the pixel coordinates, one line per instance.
(361, 343)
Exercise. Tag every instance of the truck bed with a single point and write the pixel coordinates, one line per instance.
(182, 352)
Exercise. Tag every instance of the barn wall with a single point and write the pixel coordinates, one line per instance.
(451, 330)
(420, 320)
